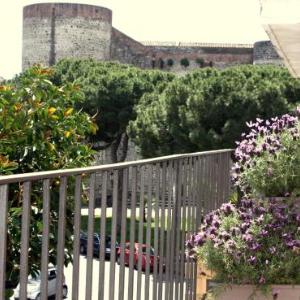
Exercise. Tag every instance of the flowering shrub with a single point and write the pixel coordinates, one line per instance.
(256, 243)
(268, 158)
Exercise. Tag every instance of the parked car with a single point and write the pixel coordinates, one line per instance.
(137, 246)
(97, 241)
(34, 286)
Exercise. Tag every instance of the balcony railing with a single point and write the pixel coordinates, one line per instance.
(165, 199)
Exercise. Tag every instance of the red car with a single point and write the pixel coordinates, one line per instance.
(136, 255)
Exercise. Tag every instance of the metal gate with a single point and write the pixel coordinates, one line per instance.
(155, 205)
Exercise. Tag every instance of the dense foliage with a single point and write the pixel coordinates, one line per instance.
(111, 92)
(268, 158)
(257, 243)
(39, 130)
(209, 108)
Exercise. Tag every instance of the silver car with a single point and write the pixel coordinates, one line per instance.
(34, 286)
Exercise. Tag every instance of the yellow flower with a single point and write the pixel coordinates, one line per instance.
(5, 88)
(68, 112)
(67, 134)
(51, 110)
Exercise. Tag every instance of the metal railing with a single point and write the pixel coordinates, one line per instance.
(175, 191)
(195, 44)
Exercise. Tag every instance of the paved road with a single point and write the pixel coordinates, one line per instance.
(82, 283)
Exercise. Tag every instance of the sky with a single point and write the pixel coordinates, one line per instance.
(215, 21)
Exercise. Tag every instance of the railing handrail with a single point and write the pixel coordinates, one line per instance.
(92, 169)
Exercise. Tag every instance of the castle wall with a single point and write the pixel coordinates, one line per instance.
(52, 31)
(218, 56)
(265, 53)
(126, 50)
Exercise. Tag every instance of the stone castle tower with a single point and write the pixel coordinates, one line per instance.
(52, 31)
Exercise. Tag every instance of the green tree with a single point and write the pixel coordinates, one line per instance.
(170, 62)
(200, 62)
(111, 92)
(40, 131)
(208, 109)
(185, 62)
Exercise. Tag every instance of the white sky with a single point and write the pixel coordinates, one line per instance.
(224, 21)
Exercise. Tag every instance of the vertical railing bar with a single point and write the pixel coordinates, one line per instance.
(113, 237)
(3, 236)
(61, 237)
(162, 230)
(184, 230)
(229, 162)
(26, 210)
(173, 230)
(90, 241)
(210, 183)
(194, 224)
(220, 179)
(148, 232)
(192, 196)
(203, 185)
(76, 243)
(141, 233)
(178, 227)
(169, 226)
(102, 236)
(156, 222)
(224, 177)
(215, 180)
(45, 239)
(199, 192)
(123, 234)
(189, 229)
(132, 233)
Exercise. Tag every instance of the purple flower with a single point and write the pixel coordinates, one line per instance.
(264, 233)
(262, 280)
(199, 239)
(227, 208)
(252, 260)
(272, 250)
(255, 246)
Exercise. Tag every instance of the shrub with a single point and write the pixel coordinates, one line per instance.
(185, 62)
(257, 243)
(200, 62)
(170, 62)
(268, 157)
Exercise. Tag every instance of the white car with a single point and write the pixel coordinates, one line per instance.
(34, 286)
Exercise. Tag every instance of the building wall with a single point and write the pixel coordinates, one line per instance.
(52, 31)
(126, 50)
(265, 53)
(218, 56)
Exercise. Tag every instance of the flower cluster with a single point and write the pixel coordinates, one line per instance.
(256, 243)
(267, 158)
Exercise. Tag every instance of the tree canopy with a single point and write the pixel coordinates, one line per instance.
(40, 130)
(111, 92)
(208, 109)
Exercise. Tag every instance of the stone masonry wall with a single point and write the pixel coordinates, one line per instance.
(126, 50)
(265, 53)
(216, 56)
(52, 31)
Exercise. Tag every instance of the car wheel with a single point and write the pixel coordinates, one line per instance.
(82, 249)
(65, 291)
(38, 297)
